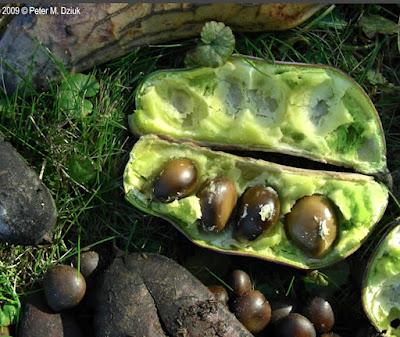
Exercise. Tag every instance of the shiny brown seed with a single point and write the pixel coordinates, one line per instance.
(294, 325)
(240, 282)
(320, 313)
(253, 311)
(218, 198)
(259, 210)
(280, 310)
(88, 263)
(177, 179)
(64, 287)
(312, 225)
(220, 293)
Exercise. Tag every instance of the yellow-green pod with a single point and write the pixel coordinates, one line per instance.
(312, 111)
(359, 200)
(381, 287)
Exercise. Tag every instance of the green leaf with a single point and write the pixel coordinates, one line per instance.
(8, 314)
(81, 84)
(81, 169)
(328, 280)
(73, 90)
(67, 101)
(86, 108)
(376, 24)
(216, 46)
(375, 77)
(9, 302)
(74, 105)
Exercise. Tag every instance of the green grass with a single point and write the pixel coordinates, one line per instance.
(93, 212)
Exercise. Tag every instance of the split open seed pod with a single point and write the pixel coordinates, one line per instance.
(359, 201)
(303, 218)
(312, 111)
(381, 286)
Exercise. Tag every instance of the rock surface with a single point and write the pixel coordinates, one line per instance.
(152, 296)
(27, 209)
(125, 306)
(38, 320)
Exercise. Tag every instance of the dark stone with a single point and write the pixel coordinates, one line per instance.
(27, 209)
(38, 320)
(145, 295)
(125, 306)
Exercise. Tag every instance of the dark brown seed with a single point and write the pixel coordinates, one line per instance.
(280, 310)
(218, 198)
(88, 263)
(64, 287)
(259, 210)
(294, 325)
(320, 313)
(220, 293)
(312, 225)
(177, 180)
(253, 311)
(240, 282)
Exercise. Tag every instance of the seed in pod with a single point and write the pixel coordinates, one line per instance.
(280, 310)
(259, 210)
(88, 263)
(312, 225)
(294, 325)
(220, 293)
(64, 287)
(240, 282)
(252, 310)
(218, 198)
(177, 179)
(320, 313)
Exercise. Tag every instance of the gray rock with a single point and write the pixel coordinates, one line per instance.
(150, 295)
(125, 306)
(38, 320)
(27, 209)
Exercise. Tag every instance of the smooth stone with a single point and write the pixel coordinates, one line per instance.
(27, 209)
(38, 320)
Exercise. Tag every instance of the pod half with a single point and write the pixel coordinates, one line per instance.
(359, 200)
(381, 288)
(313, 111)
